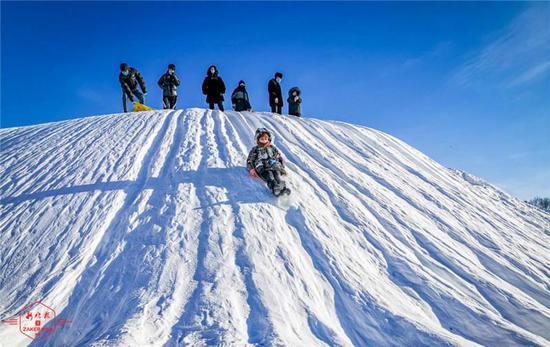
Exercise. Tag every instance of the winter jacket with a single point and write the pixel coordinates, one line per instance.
(259, 159)
(274, 89)
(213, 87)
(169, 84)
(294, 106)
(131, 81)
(239, 98)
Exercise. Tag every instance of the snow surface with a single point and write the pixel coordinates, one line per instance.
(144, 230)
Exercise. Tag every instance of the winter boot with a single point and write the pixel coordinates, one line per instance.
(279, 188)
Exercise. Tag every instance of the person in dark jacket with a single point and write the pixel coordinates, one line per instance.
(129, 79)
(169, 83)
(265, 161)
(214, 88)
(275, 94)
(239, 98)
(294, 102)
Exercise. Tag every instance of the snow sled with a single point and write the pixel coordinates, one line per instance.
(138, 107)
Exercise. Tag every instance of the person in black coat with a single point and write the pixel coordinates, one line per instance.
(239, 98)
(214, 88)
(129, 79)
(169, 83)
(275, 93)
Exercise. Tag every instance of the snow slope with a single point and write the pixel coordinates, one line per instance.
(144, 230)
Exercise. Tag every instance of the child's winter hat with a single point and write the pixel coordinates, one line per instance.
(260, 132)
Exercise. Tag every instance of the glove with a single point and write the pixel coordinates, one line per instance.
(252, 173)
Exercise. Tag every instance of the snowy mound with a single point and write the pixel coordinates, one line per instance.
(144, 229)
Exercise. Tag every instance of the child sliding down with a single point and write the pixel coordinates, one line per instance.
(265, 161)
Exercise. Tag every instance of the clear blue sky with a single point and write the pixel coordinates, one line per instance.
(466, 83)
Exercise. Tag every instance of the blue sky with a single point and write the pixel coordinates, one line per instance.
(465, 83)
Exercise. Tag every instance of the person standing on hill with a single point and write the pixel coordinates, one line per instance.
(294, 102)
(129, 79)
(169, 83)
(214, 88)
(275, 93)
(239, 98)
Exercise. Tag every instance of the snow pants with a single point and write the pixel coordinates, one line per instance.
(136, 93)
(273, 179)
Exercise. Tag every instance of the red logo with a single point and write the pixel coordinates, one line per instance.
(33, 318)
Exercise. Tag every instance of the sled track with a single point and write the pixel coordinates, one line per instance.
(145, 230)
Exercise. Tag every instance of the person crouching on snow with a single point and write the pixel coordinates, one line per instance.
(129, 79)
(265, 161)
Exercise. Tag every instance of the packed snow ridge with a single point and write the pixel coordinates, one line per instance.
(144, 229)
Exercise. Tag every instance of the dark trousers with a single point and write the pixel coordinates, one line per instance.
(219, 103)
(136, 93)
(272, 177)
(277, 109)
(169, 102)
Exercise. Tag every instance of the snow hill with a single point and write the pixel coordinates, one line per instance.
(143, 229)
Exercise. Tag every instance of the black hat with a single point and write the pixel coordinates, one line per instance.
(123, 66)
(241, 82)
(171, 66)
(278, 74)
